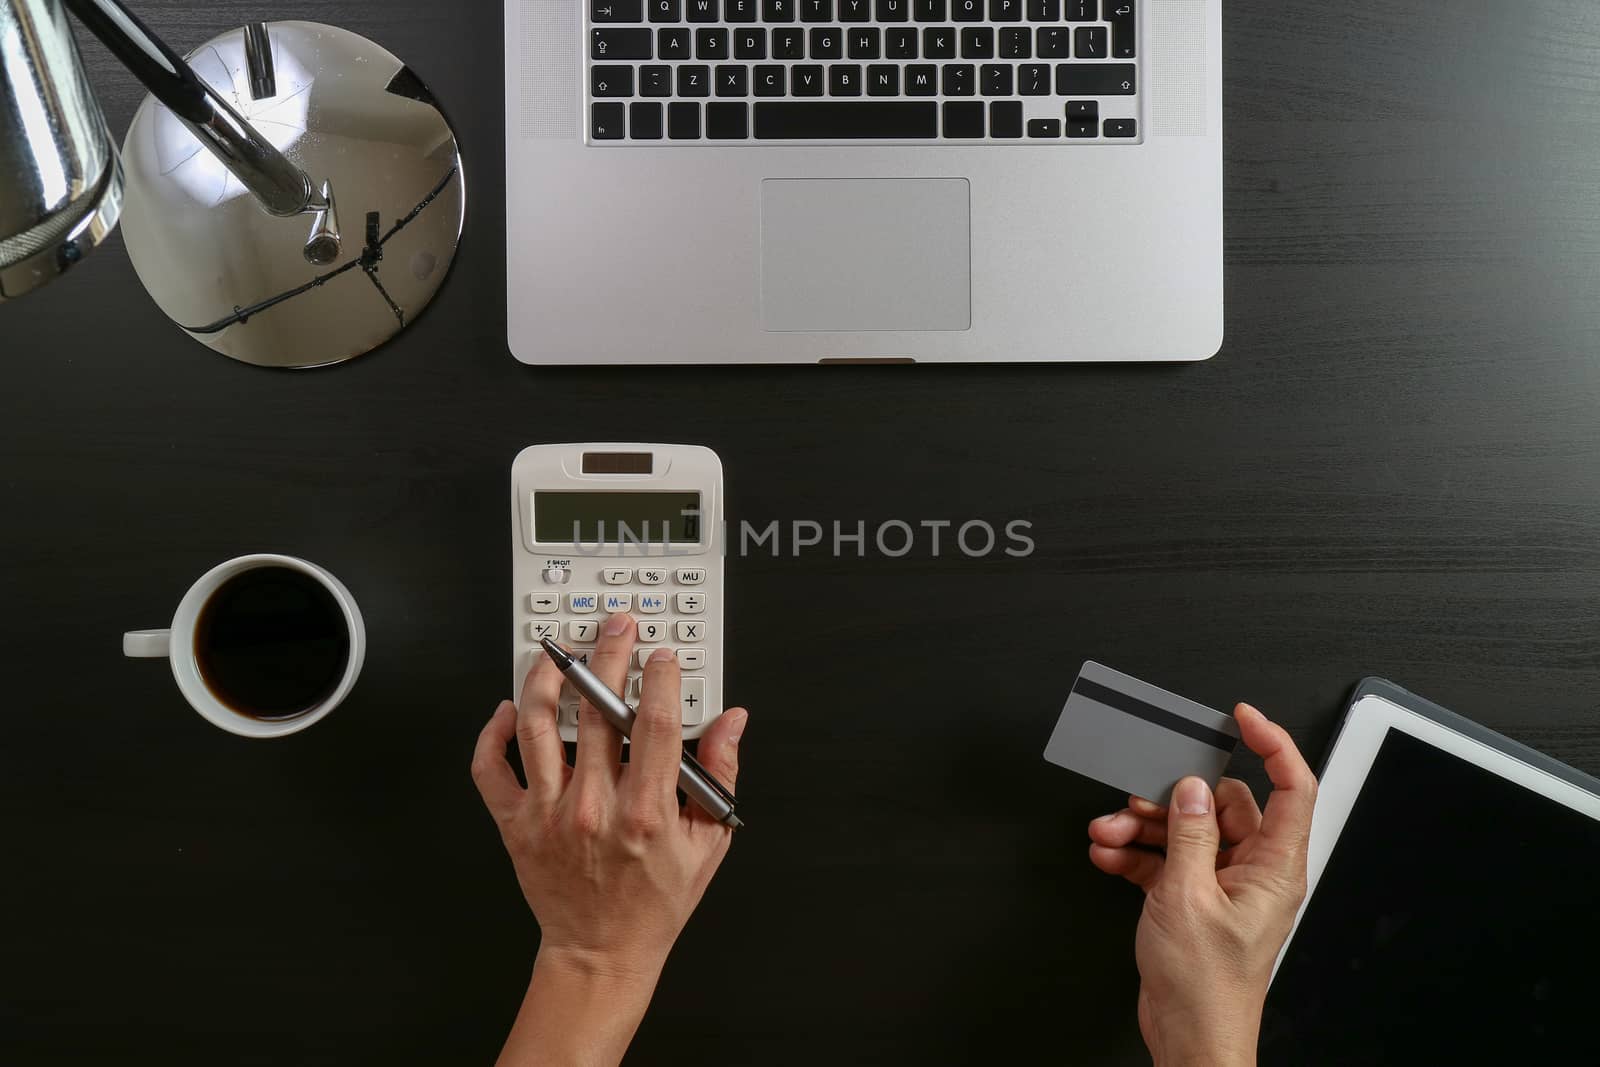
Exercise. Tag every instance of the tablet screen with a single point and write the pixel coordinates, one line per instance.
(1457, 921)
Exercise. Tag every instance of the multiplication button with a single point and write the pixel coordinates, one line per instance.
(691, 630)
(691, 575)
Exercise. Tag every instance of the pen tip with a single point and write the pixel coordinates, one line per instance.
(734, 822)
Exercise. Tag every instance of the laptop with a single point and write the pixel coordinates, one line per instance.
(812, 181)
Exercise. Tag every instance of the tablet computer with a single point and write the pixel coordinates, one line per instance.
(1453, 906)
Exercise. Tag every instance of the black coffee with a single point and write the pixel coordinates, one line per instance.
(272, 643)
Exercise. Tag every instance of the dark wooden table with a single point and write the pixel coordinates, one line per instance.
(1392, 468)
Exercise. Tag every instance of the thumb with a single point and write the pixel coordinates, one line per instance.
(1192, 835)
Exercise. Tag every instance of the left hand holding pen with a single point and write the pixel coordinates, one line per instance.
(609, 862)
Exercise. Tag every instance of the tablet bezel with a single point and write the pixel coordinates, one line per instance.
(1377, 707)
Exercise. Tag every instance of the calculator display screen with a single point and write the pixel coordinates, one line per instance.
(610, 518)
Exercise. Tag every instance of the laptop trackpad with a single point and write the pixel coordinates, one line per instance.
(856, 254)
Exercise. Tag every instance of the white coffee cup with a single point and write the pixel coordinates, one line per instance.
(178, 644)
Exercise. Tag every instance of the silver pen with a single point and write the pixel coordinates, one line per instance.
(697, 783)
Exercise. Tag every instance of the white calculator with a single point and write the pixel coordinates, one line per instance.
(604, 528)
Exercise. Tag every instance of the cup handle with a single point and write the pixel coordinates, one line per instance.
(147, 644)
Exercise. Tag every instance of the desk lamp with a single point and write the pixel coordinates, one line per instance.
(290, 194)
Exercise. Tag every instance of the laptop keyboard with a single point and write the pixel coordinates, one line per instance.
(854, 71)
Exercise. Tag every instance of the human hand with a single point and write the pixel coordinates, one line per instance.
(1214, 917)
(609, 862)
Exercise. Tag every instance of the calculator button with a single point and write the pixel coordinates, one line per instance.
(651, 576)
(568, 715)
(691, 631)
(691, 659)
(651, 632)
(583, 631)
(556, 575)
(615, 602)
(641, 656)
(691, 575)
(582, 603)
(539, 630)
(617, 575)
(692, 691)
(691, 603)
(544, 603)
(652, 603)
(635, 687)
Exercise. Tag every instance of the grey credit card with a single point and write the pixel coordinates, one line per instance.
(1137, 738)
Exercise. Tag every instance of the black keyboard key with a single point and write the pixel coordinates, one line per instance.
(883, 79)
(1083, 109)
(1123, 31)
(616, 10)
(966, 10)
(1091, 42)
(610, 81)
(1005, 10)
(703, 11)
(788, 44)
(900, 42)
(958, 79)
(1044, 10)
(733, 81)
(655, 81)
(922, 79)
(977, 42)
(694, 81)
(994, 79)
(827, 43)
(1080, 128)
(844, 79)
(865, 43)
(1082, 10)
(1122, 127)
(738, 11)
(1044, 127)
(1054, 42)
(1016, 42)
(727, 122)
(939, 42)
(683, 121)
(777, 10)
(711, 44)
(928, 10)
(1033, 79)
(750, 44)
(1005, 118)
(1095, 79)
(619, 44)
(963, 118)
(644, 121)
(768, 80)
(809, 80)
(846, 119)
(816, 10)
(672, 44)
(855, 10)
(666, 11)
(606, 121)
(892, 10)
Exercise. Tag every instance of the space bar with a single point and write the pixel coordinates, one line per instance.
(824, 120)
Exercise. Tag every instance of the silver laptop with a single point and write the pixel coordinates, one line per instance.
(803, 181)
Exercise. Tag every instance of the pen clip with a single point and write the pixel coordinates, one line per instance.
(710, 779)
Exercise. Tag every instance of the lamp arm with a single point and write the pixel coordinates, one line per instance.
(280, 186)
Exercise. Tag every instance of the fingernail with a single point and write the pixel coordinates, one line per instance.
(617, 623)
(661, 655)
(1192, 796)
(738, 718)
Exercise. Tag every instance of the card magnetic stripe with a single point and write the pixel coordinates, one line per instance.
(1150, 713)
